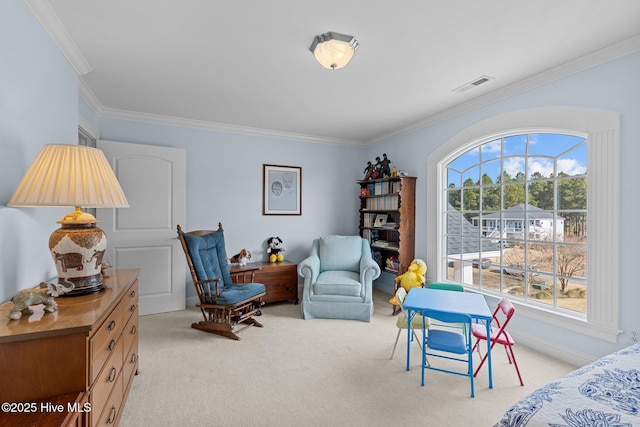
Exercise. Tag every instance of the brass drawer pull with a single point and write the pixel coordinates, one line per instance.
(132, 308)
(112, 374)
(112, 325)
(134, 358)
(112, 415)
(133, 330)
(132, 294)
(112, 345)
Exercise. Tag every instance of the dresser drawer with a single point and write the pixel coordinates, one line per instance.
(130, 333)
(104, 341)
(110, 412)
(130, 301)
(129, 366)
(107, 380)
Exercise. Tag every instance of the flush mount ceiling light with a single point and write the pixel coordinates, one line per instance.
(333, 50)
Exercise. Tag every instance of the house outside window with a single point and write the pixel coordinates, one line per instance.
(598, 221)
(516, 192)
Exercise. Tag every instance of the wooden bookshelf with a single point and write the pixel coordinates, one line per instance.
(393, 199)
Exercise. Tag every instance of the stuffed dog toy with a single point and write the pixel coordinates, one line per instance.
(242, 257)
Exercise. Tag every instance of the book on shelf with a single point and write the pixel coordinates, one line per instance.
(382, 203)
(368, 219)
(390, 225)
(384, 244)
(370, 235)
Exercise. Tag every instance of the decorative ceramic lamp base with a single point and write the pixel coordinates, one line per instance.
(78, 249)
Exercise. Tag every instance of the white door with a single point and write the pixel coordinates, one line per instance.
(143, 236)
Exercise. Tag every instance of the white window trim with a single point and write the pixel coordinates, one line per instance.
(603, 205)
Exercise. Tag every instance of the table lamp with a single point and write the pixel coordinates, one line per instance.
(79, 176)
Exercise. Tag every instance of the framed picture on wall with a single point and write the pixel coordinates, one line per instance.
(281, 190)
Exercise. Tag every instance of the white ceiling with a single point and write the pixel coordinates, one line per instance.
(245, 65)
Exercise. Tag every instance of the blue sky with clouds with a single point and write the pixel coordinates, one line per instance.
(543, 151)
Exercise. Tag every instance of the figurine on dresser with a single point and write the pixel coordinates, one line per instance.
(43, 294)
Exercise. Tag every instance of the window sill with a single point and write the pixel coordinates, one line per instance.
(558, 319)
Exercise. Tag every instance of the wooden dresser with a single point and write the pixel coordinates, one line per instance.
(73, 367)
(280, 279)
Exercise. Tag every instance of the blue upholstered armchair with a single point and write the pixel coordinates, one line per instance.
(338, 278)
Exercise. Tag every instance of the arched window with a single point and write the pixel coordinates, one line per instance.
(516, 217)
(533, 197)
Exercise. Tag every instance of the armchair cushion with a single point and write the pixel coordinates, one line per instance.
(340, 253)
(338, 283)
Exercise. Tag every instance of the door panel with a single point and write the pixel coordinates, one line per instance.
(143, 236)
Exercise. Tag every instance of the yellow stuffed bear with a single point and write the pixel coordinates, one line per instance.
(414, 276)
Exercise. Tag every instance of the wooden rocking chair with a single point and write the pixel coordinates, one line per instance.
(227, 307)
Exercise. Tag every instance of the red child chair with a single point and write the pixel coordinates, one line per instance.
(499, 334)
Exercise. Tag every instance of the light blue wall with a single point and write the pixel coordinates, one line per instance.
(38, 106)
(612, 86)
(224, 184)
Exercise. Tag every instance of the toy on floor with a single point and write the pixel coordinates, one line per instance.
(241, 258)
(275, 247)
(414, 277)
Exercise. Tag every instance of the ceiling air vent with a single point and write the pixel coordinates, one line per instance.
(474, 83)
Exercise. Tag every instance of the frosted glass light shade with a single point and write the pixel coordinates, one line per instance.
(333, 50)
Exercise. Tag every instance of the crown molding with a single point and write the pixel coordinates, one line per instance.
(89, 97)
(112, 113)
(94, 103)
(574, 66)
(49, 20)
(88, 128)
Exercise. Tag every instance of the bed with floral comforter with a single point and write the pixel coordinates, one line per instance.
(603, 393)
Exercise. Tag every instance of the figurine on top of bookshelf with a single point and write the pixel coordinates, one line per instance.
(368, 171)
(382, 168)
(385, 169)
(377, 169)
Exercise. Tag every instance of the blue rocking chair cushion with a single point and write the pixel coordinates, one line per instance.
(209, 261)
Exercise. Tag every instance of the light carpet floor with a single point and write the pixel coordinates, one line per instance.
(320, 372)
